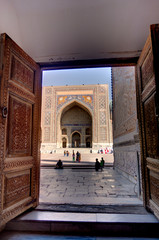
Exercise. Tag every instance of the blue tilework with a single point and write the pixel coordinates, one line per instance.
(75, 97)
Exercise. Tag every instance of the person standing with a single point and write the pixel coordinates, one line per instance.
(102, 164)
(73, 156)
(97, 164)
(77, 156)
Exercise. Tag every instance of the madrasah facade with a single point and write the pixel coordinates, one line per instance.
(76, 117)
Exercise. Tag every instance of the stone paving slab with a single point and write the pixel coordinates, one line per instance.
(68, 186)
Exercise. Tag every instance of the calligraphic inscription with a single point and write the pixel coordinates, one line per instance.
(22, 74)
(154, 187)
(20, 122)
(147, 69)
(151, 128)
(16, 188)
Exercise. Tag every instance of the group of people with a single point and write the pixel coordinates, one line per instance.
(99, 165)
(77, 155)
(66, 153)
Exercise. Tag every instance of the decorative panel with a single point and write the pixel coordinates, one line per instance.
(154, 187)
(20, 131)
(48, 90)
(17, 187)
(86, 99)
(22, 74)
(103, 134)
(102, 90)
(47, 102)
(102, 102)
(151, 128)
(147, 69)
(47, 134)
(103, 118)
(47, 118)
(20, 121)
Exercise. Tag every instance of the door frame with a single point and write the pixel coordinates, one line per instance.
(92, 64)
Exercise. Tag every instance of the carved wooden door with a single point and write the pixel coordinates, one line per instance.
(20, 106)
(148, 113)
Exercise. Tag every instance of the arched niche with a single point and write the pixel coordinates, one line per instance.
(64, 142)
(76, 140)
(74, 117)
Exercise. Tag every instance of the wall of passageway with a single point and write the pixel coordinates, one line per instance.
(126, 135)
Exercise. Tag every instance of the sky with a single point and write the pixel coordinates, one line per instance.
(78, 77)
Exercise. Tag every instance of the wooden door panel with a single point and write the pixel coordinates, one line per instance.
(151, 129)
(20, 127)
(148, 92)
(16, 187)
(20, 89)
(147, 68)
(21, 74)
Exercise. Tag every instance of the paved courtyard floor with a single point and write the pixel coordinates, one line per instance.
(86, 186)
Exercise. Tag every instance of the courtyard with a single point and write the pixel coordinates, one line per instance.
(80, 184)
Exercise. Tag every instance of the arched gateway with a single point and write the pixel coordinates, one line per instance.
(75, 120)
(76, 116)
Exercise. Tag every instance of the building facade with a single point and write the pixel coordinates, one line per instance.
(76, 116)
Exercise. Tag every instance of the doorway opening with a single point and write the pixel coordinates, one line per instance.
(85, 115)
(64, 142)
(76, 140)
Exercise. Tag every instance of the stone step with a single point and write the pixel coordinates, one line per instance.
(90, 224)
(70, 164)
(78, 166)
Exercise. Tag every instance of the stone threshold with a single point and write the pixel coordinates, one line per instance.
(95, 224)
(84, 208)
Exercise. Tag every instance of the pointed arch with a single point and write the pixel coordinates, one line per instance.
(66, 107)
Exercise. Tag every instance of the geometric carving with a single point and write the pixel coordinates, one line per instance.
(48, 90)
(47, 118)
(147, 69)
(102, 102)
(20, 120)
(154, 187)
(17, 187)
(19, 145)
(47, 102)
(22, 74)
(151, 129)
(102, 90)
(103, 118)
(46, 134)
(103, 134)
